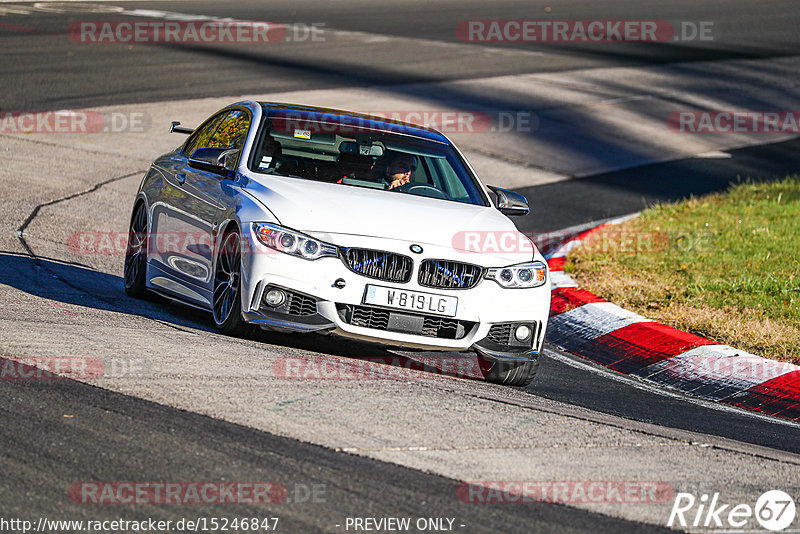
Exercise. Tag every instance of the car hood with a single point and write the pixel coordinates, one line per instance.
(325, 209)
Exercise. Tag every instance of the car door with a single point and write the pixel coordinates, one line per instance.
(194, 203)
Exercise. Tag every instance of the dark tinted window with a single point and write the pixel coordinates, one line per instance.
(202, 135)
(350, 155)
(226, 130)
(231, 132)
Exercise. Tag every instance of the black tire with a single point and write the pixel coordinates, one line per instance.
(135, 274)
(509, 372)
(226, 298)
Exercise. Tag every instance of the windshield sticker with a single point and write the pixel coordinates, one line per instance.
(302, 134)
(265, 161)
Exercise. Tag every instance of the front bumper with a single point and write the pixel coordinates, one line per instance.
(323, 305)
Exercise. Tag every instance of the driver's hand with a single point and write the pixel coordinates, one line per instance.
(400, 181)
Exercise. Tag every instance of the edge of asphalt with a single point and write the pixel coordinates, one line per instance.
(588, 326)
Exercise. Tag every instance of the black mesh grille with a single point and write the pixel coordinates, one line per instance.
(370, 317)
(501, 333)
(295, 304)
(378, 318)
(444, 327)
(301, 305)
(448, 274)
(379, 264)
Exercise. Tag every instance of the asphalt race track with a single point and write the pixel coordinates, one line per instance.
(180, 403)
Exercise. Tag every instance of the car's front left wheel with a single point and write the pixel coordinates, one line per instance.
(227, 302)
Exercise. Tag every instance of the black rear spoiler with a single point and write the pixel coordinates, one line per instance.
(175, 127)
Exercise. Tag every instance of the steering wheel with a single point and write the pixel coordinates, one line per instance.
(423, 190)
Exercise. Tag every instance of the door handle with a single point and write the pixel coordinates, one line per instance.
(181, 177)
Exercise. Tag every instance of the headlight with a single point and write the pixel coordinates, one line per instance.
(523, 275)
(291, 242)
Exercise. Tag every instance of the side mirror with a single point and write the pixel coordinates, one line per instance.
(220, 161)
(510, 203)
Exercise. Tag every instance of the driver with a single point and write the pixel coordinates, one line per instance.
(399, 170)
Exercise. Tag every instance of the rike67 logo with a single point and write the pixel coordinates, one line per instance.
(774, 510)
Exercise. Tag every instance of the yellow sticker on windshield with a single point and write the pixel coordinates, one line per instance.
(302, 134)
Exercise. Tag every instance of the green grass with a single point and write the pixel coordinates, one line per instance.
(725, 266)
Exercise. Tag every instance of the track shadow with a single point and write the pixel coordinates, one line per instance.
(75, 284)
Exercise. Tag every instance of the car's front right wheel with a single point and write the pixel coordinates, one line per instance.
(509, 372)
(136, 255)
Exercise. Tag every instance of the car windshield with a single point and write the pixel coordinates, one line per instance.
(357, 156)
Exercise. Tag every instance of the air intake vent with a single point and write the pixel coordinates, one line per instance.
(380, 319)
(301, 305)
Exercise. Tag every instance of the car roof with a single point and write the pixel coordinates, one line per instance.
(338, 116)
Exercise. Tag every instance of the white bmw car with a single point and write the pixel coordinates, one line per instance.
(307, 219)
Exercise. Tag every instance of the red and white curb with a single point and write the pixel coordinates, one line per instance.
(597, 330)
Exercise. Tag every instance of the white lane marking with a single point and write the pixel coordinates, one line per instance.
(76, 7)
(15, 10)
(714, 154)
(60, 7)
(560, 279)
(644, 386)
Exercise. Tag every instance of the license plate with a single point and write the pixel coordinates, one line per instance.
(417, 301)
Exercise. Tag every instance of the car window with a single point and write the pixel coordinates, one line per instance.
(231, 132)
(202, 135)
(450, 182)
(226, 130)
(351, 156)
